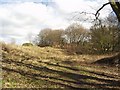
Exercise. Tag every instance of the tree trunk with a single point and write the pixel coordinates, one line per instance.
(116, 8)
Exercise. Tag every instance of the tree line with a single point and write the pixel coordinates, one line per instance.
(101, 38)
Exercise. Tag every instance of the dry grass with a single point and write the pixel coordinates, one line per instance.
(35, 67)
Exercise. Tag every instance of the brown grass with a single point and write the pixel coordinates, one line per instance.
(47, 67)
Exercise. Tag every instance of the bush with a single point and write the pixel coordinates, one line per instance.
(27, 44)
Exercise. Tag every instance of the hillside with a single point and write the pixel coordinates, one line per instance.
(47, 67)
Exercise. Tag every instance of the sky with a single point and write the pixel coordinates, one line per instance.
(20, 19)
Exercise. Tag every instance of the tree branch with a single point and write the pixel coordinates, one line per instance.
(97, 13)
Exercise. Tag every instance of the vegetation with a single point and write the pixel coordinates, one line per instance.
(27, 44)
(47, 67)
(101, 38)
(73, 58)
(49, 37)
(105, 37)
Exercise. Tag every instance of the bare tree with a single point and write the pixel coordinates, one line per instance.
(50, 37)
(115, 4)
(75, 33)
(42, 39)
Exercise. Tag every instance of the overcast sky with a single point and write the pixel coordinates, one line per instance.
(20, 18)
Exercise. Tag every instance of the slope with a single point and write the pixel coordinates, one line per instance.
(47, 67)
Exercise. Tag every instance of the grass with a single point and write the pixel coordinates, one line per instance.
(36, 67)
